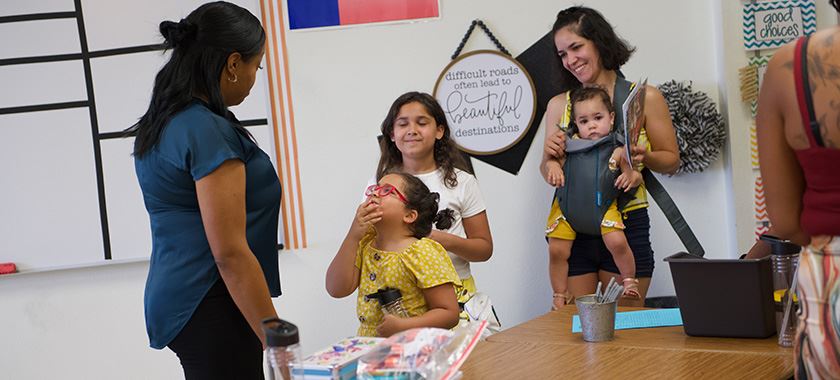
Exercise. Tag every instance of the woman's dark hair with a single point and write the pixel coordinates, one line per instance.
(425, 202)
(201, 44)
(590, 24)
(835, 4)
(580, 94)
(447, 155)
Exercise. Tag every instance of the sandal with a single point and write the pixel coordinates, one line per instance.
(631, 288)
(561, 298)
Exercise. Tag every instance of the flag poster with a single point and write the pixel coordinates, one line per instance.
(306, 14)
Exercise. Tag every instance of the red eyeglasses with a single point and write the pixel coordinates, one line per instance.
(384, 191)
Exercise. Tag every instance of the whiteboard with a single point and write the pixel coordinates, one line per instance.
(53, 214)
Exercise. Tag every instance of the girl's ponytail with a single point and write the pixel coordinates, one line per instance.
(444, 219)
(419, 198)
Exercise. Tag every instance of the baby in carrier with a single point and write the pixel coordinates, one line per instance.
(589, 193)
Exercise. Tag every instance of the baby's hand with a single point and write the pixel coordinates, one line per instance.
(638, 153)
(629, 180)
(390, 325)
(555, 175)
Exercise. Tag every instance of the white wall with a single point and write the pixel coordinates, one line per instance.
(88, 323)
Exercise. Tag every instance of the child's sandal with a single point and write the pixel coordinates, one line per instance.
(559, 298)
(631, 288)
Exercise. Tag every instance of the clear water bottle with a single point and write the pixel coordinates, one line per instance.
(283, 344)
(784, 260)
(391, 301)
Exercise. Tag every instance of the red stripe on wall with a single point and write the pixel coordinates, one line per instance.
(365, 11)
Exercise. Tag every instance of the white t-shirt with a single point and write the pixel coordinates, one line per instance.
(465, 200)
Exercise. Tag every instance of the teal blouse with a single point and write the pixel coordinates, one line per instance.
(192, 145)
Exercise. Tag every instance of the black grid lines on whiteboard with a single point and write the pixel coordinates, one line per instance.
(84, 56)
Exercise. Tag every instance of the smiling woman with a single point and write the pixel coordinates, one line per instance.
(591, 54)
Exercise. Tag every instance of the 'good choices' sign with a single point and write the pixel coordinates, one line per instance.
(489, 101)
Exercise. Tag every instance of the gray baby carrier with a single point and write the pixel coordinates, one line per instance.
(589, 188)
(583, 209)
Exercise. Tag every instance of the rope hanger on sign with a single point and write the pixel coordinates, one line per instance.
(486, 31)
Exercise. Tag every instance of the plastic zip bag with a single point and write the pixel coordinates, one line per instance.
(422, 353)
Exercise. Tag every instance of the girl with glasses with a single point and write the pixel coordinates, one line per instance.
(388, 247)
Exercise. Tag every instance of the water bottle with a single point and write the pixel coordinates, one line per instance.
(283, 343)
(784, 260)
(390, 299)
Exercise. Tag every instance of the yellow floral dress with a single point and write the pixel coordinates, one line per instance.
(422, 265)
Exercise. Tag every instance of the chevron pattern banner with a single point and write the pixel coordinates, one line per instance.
(760, 203)
(761, 229)
(753, 146)
(771, 24)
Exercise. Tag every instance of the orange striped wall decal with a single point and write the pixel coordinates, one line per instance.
(283, 124)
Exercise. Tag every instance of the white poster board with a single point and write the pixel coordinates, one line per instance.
(489, 101)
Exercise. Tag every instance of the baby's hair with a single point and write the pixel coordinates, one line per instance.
(589, 92)
(446, 154)
(425, 202)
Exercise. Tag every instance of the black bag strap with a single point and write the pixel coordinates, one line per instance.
(672, 213)
(620, 93)
(653, 186)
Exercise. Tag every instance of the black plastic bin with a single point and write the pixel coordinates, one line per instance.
(724, 298)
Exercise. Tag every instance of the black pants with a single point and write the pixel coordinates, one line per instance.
(217, 342)
(590, 254)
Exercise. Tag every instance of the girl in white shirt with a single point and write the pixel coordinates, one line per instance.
(416, 140)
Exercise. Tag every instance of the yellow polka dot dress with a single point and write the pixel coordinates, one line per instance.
(422, 265)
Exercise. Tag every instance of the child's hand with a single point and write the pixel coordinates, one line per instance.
(390, 325)
(555, 175)
(367, 214)
(629, 180)
(638, 153)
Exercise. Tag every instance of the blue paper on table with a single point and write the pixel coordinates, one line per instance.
(640, 319)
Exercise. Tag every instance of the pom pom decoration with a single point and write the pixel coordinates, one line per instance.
(701, 133)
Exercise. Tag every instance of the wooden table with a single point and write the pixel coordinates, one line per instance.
(546, 348)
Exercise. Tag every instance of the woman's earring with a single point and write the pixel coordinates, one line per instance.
(234, 80)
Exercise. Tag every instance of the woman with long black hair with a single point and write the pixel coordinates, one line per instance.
(213, 198)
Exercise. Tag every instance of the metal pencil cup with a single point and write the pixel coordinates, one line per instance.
(597, 320)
